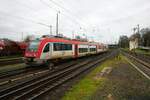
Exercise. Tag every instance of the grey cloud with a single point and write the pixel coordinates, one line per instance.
(117, 15)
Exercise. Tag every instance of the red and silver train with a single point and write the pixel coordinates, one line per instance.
(48, 50)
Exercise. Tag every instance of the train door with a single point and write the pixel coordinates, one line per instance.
(97, 48)
(50, 50)
(46, 54)
(76, 50)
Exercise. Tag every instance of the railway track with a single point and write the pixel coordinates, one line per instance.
(15, 75)
(38, 86)
(12, 76)
(9, 76)
(14, 72)
(144, 57)
(140, 64)
(11, 61)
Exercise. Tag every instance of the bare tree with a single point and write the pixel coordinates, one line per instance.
(123, 41)
(145, 37)
(29, 38)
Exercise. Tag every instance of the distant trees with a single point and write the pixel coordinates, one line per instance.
(29, 38)
(145, 38)
(123, 41)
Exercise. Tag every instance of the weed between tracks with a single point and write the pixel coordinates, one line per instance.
(8, 57)
(123, 83)
(12, 67)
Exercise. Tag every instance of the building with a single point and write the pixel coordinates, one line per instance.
(133, 43)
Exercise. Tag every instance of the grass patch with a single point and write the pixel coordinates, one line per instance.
(126, 49)
(142, 51)
(86, 87)
(138, 50)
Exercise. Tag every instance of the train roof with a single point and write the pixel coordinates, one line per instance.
(67, 41)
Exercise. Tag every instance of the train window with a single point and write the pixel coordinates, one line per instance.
(63, 46)
(46, 49)
(68, 46)
(60, 46)
(82, 50)
(57, 46)
(92, 49)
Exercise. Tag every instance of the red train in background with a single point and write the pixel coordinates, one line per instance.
(47, 50)
(9, 47)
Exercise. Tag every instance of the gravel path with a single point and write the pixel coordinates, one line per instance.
(124, 83)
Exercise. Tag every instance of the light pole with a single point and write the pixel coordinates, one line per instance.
(22, 36)
(57, 22)
(51, 30)
(138, 28)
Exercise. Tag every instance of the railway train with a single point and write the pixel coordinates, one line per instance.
(9, 47)
(48, 50)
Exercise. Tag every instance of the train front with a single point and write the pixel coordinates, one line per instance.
(31, 53)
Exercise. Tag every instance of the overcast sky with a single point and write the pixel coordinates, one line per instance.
(102, 20)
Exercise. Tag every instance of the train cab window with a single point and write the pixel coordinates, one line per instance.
(46, 49)
(33, 46)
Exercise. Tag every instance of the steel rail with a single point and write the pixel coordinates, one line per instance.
(39, 82)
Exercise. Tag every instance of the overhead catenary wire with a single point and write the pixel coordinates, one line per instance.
(67, 15)
(30, 20)
(62, 13)
(74, 17)
(25, 5)
(23, 19)
(67, 10)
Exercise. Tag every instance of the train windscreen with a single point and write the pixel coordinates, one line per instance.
(33, 46)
